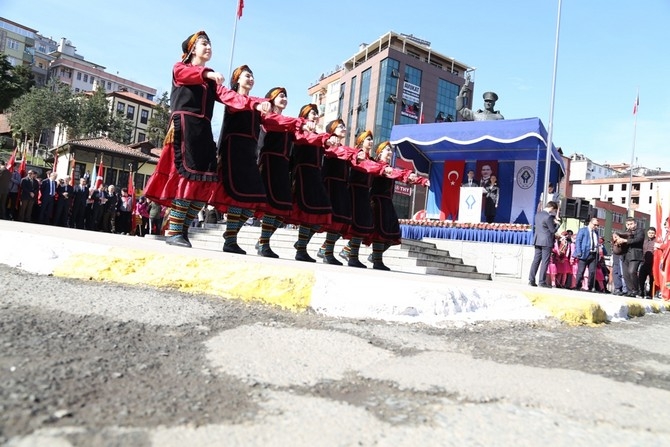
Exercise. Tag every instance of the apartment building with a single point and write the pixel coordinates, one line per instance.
(397, 79)
(59, 60)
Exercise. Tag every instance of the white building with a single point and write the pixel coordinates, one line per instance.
(643, 195)
(583, 168)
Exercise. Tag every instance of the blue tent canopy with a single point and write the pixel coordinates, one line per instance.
(503, 140)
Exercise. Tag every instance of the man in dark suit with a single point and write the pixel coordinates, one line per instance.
(64, 194)
(633, 238)
(48, 196)
(28, 193)
(544, 235)
(586, 251)
(470, 181)
(79, 199)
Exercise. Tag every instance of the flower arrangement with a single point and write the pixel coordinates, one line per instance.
(456, 224)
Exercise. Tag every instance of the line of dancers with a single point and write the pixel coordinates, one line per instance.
(271, 166)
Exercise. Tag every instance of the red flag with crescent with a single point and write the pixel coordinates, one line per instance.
(451, 188)
(99, 177)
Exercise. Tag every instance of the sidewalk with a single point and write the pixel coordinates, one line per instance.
(337, 291)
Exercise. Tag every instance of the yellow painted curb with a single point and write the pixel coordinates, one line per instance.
(575, 311)
(287, 288)
(635, 309)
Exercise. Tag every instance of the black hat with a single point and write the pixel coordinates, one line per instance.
(490, 96)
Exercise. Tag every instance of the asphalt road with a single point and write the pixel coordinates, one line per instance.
(85, 363)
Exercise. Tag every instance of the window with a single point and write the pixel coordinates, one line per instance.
(610, 188)
(623, 200)
(650, 200)
(76, 90)
(12, 44)
(92, 79)
(139, 180)
(609, 199)
(413, 54)
(624, 187)
(120, 107)
(79, 76)
(363, 96)
(141, 137)
(130, 112)
(85, 78)
(109, 85)
(651, 185)
(388, 87)
(110, 176)
(446, 101)
(635, 200)
(144, 116)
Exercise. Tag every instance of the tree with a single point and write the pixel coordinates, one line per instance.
(93, 114)
(158, 123)
(42, 108)
(24, 78)
(28, 114)
(120, 128)
(9, 83)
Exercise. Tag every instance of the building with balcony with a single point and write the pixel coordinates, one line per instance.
(84, 76)
(639, 194)
(583, 168)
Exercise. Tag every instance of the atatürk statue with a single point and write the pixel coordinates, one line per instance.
(488, 113)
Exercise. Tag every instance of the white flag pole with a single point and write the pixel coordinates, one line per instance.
(631, 212)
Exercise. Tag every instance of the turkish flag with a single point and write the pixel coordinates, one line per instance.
(12, 160)
(98, 178)
(451, 188)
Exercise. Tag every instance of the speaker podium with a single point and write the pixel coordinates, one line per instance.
(470, 204)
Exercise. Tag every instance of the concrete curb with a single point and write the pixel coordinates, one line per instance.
(328, 290)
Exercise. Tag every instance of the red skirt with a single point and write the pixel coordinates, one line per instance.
(222, 201)
(300, 217)
(166, 184)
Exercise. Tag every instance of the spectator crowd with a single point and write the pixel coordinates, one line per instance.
(54, 200)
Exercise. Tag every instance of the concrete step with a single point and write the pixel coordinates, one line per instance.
(410, 256)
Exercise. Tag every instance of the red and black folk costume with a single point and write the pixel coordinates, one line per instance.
(386, 227)
(186, 175)
(335, 173)
(312, 208)
(360, 180)
(275, 169)
(243, 193)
